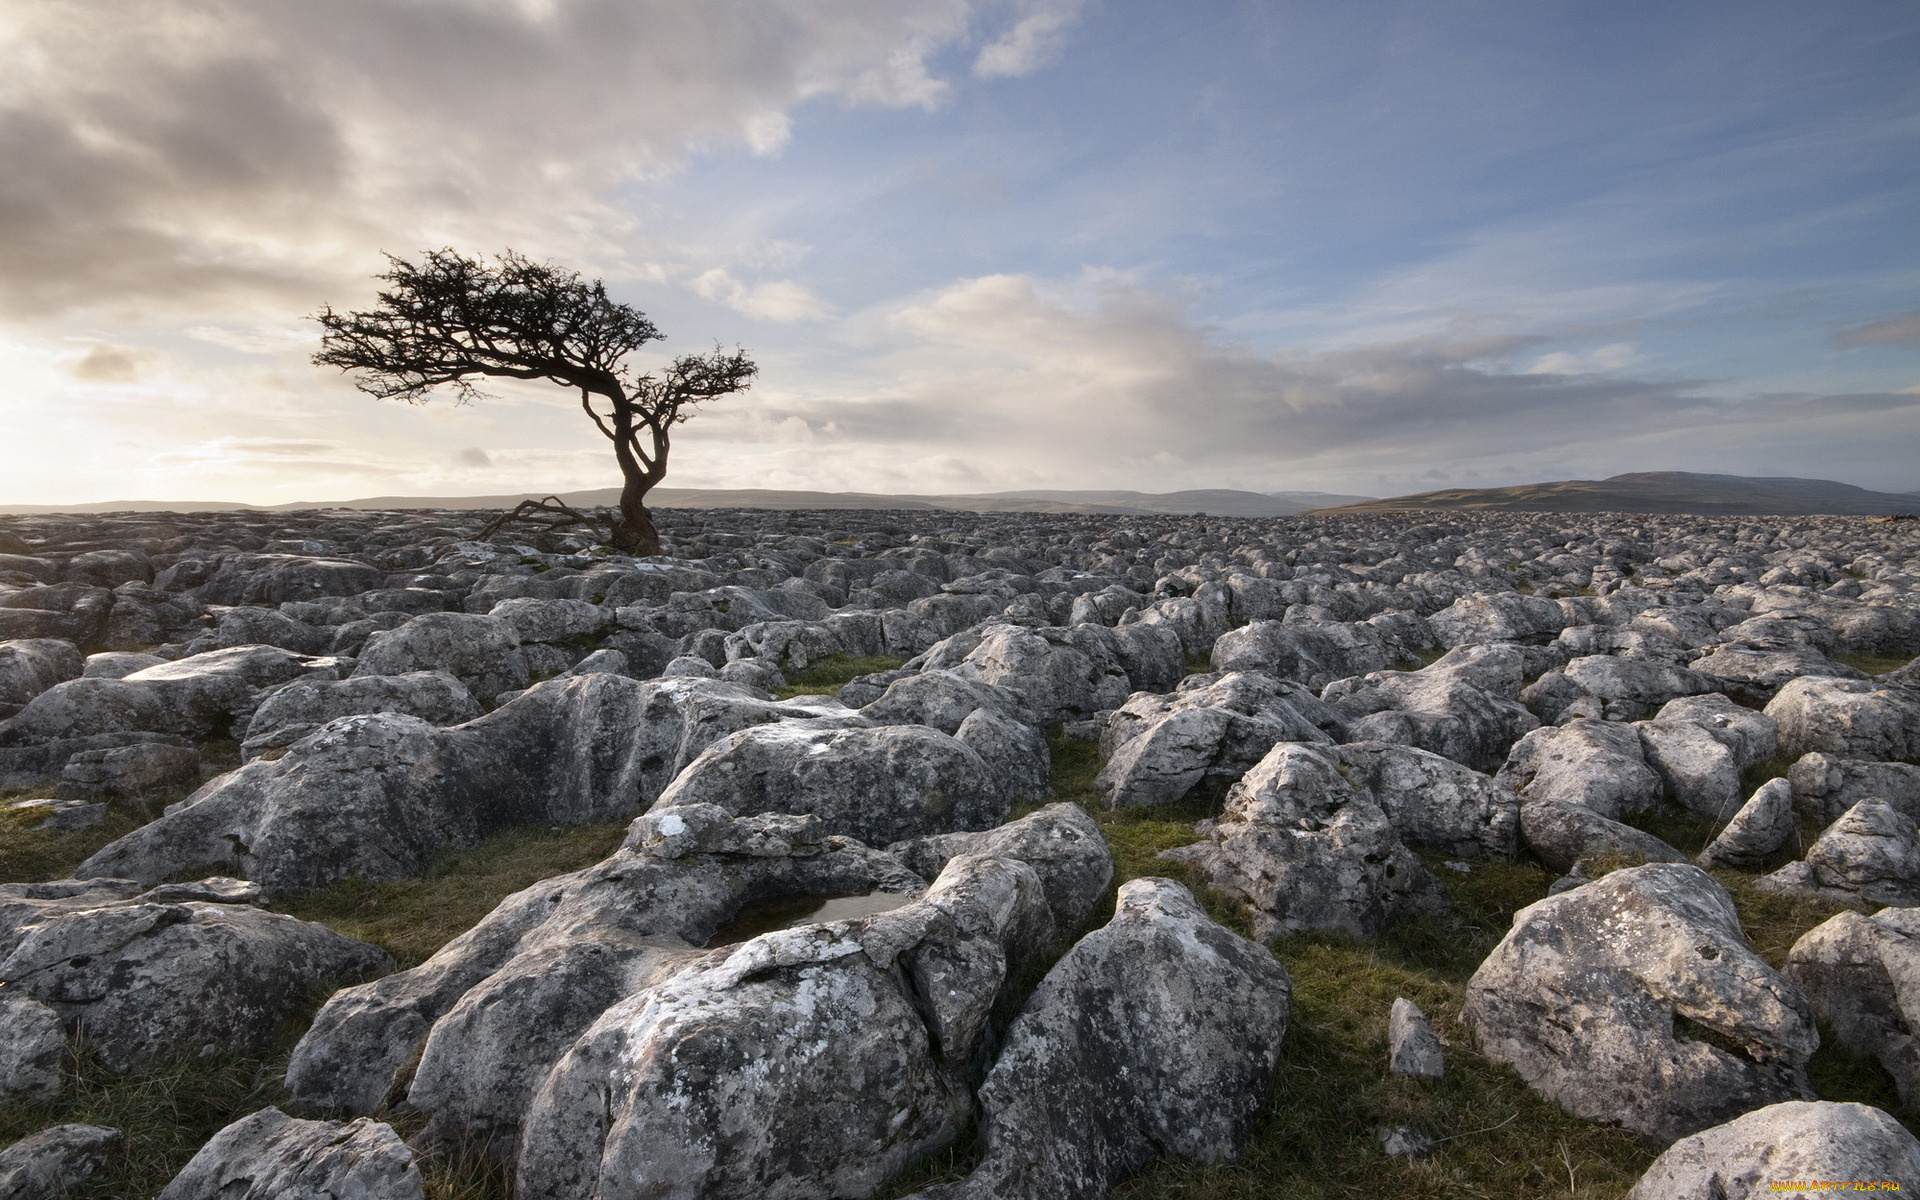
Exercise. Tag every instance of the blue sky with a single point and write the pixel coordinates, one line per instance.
(1017, 243)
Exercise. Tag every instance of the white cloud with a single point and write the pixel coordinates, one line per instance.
(1032, 41)
(1598, 361)
(781, 300)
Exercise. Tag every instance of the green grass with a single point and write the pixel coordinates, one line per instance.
(412, 918)
(1873, 664)
(29, 855)
(831, 674)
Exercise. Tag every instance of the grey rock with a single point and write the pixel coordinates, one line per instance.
(482, 652)
(303, 706)
(1413, 1048)
(1060, 841)
(1433, 802)
(1796, 1140)
(146, 979)
(1862, 976)
(246, 626)
(1851, 718)
(62, 815)
(1156, 1035)
(118, 664)
(1764, 824)
(878, 785)
(1312, 655)
(759, 673)
(1599, 765)
(1439, 708)
(1752, 736)
(1497, 617)
(795, 1064)
(271, 1156)
(1701, 772)
(376, 796)
(553, 620)
(1872, 854)
(33, 1048)
(1404, 1141)
(199, 697)
(1015, 754)
(1564, 835)
(940, 699)
(1158, 749)
(688, 666)
(51, 1163)
(29, 666)
(1308, 851)
(1630, 688)
(1582, 997)
(1757, 675)
(277, 578)
(129, 772)
(1825, 785)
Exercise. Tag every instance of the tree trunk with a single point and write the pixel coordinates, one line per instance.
(633, 531)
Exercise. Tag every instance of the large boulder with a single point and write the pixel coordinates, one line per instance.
(1630, 688)
(33, 1047)
(1700, 771)
(482, 652)
(1569, 837)
(878, 785)
(1060, 841)
(1756, 675)
(1795, 1142)
(272, 579)
(1442, 708)
(1610, 999)
(1871, 854)
(1851, 718)
(1753, 737)
(1600, 765)
(29, 666)
(377, 796)
(58, 1161)
(1862, 976)
(1826, 785)
(1498, 617)
(1307, 850)
(271, 1156)
(1312, 655)
(1160, 748)
(808, 1062)
(199, 697)
(1055, 678)
(304, 705)
(173, 972)
(1156, 1035)
(1763, 826)
(1433, 802)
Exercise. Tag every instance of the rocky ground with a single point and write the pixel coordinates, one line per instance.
(842, 854)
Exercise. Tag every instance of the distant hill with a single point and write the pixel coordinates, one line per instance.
(1216, 502)
(1658, 492)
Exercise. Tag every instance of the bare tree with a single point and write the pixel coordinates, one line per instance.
(452, 319)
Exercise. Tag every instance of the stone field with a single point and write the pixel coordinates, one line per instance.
(955, 855)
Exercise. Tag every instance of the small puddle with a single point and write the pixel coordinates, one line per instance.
(784, 912)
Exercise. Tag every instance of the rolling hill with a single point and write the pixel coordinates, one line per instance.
(1657, 492)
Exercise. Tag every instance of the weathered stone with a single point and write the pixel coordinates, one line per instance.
(146, 979)
(1872, 854)
(59, 1160)
(129, 772)
(1764, 824)
(304, 705)
(1598, 765)
(1016, 754)
(1796, 1141)
(29, 666)
(1862, 976)
(1308, 851)
(1850, 718)
(1434, 802)
(481, 652)
(33, 1048)
(1564, 835)
(1824, 785)
(1156, 1035)
(1158, 749)
(1752, 736)
(1630, 688)
(1701, 772)
(1593, 994)
(271, 1156)
(1412, 1046)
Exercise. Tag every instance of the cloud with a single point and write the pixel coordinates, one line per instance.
(187, 153)
(781, 300)
(1597, 361)
(1032, 41)
(472, 456)
(1103, 383)
(1903, 330)
(109, 364)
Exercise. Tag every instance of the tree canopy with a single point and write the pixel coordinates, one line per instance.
(450, 320)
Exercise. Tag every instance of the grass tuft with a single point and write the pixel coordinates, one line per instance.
(410, 919)
(1873, 664)
(834, 672)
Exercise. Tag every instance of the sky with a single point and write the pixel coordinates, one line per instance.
(977, 245)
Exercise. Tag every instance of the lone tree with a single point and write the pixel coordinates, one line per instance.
(451, 319)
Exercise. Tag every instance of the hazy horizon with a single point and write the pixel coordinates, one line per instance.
(979, 245)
